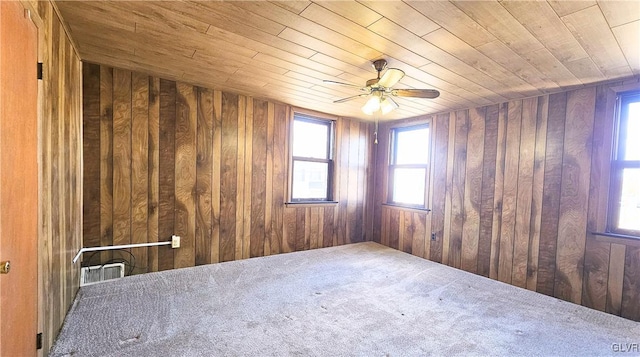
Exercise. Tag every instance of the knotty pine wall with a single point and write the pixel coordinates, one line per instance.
(163, 157)
(60, 192)
(515, 188)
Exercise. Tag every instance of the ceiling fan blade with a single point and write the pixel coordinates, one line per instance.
(416, 93)
(349, 98)
(391, 77)
(342, 83)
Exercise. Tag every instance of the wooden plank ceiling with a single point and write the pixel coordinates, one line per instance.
(474, 53)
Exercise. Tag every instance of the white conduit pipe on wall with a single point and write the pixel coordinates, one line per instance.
(172, 242)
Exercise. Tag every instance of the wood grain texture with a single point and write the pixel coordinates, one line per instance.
(228, 185)
(490, 146)
(473, 190)
(537, 192)
(521, 243)
(140, 167)
(166, 176)
(510, 191)
(61, 104)
(458, 188)
(545, 167)
(631, 284)
(259, 179)
(439, 159)
(185, 179)
(204, 168)
(121, 158)
(212, 167)
(91, 170)
(154, 167)
(574, 194)
(551, 193)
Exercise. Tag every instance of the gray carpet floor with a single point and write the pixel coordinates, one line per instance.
(355, 300)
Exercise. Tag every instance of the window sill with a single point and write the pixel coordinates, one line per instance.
(617, 238)
(406, 208)
(312, 204)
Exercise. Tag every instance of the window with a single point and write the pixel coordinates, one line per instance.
(312, 159)
(624, 215)
(409, 166)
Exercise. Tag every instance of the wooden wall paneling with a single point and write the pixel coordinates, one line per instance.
(510, 191)
(631, 284)
(394, 229)
(106, 160)
(279, 177)
(272, 245)
(381, 149)
(154, 166)
(307, 227)
(313, 226)
(574, 194)
(457, 193)
(258, 181)
(406, 231)
(522, 236)
(248, 163)
(386, 222)
(166, 171)
(473, 190)
(439, 159)
(139, 168)
(57, 170)
(496, 225)
(616, 278)
(68, 176)
(425, 249)
(91, 169)
(490, 151)
(228, 184)
(216, 150)
(596, 257)
(290, 229)
(204, 168)
(361, 219)
(300, 228)
(370, 190)
(121, 159)
(240, 177)
(354, 223)
(342, 139)
(446, 238)
(419, 241)
(537, 192)
(551, 193)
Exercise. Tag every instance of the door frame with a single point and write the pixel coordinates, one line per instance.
(32, 13)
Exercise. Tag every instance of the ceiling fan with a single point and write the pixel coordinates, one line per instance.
(380, 92)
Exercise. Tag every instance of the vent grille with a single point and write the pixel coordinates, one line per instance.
(99, 273)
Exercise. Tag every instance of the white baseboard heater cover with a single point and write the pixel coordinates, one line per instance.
(99, 273)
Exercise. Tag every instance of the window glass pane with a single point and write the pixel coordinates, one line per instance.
(310, 139)
(412, 146)
(632, 132)
(630, 200)
(408, 186)
(310, 180)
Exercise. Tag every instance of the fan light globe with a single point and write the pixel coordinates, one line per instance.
(372, 105)
(387, 105)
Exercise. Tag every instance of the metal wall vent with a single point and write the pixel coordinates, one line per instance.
(99, 273)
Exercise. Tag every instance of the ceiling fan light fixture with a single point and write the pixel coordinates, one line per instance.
(372, 105)
(387, 105)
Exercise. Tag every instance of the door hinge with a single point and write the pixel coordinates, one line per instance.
(39, 341)
(39, 70)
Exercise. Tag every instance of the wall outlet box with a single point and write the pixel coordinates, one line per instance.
(175, 241)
